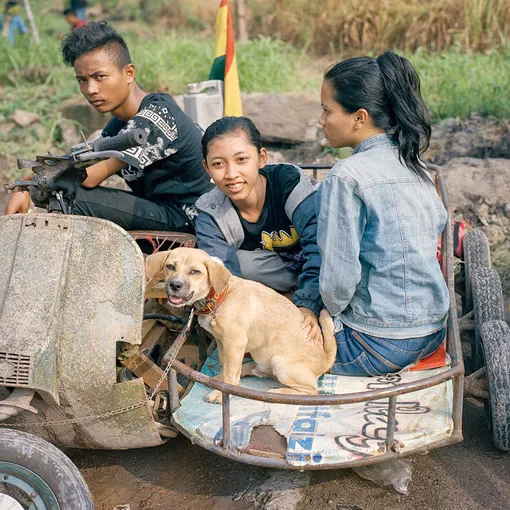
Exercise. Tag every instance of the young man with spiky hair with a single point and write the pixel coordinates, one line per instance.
(166, 174)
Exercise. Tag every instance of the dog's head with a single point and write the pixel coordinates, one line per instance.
(189, 273)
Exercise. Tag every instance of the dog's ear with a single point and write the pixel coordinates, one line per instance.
(219, 275)
(154, 263)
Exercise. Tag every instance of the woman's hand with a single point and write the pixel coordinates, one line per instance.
(311, 324)
(18, 203)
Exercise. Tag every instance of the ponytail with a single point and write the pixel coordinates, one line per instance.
(389, 89)
(410, 113)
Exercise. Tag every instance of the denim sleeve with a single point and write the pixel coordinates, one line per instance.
(20, 25)
(211, 240)
(341, 223)
(304, 220)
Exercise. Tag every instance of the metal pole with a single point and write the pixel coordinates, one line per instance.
(174, 390)
(226, 420)
(390, 428)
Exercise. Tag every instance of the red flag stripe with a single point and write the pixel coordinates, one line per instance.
(231, 51)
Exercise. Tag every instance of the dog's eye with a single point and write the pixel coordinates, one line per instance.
(170, 267)
(195, 272)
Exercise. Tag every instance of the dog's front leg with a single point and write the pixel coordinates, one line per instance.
(232, 364)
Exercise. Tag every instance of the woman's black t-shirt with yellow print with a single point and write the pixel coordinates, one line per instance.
(274, 230)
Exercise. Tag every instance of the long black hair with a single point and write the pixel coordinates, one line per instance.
(389, 89)
(91, 37)
(228, 125)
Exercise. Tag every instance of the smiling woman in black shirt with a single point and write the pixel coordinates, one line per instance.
(260, 219)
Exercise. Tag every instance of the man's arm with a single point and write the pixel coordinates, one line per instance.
(97, 173)
(21, 25)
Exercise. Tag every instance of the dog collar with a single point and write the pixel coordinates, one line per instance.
(210, 304)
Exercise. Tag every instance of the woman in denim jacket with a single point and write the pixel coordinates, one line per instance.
(379, 219)
(260, 219)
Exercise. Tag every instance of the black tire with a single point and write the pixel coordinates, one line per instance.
(496, 349)
(49, 473)
(488, 305)
(476, 255)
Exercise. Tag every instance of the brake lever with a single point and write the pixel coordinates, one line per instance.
(16, 186)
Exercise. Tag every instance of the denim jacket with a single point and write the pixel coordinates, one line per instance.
(220, 233)
(378, 228)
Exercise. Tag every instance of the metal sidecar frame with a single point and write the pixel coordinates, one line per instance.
(454, 373)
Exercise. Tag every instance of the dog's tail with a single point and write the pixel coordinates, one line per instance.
(328, 333)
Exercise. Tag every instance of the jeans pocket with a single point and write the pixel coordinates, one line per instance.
(359, 367)
(431, 348)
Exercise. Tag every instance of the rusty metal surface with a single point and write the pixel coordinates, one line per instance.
(316, 400)
(163, 240)
(271, 462)
(71, 288)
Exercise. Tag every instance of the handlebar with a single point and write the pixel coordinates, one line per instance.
(57, 177)
(133, 138)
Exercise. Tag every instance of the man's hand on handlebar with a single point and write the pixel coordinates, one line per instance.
(18, 203)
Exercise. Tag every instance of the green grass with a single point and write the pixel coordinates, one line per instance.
(457, 83)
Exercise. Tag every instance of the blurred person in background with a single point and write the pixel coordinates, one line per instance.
(73, 19)
(11, 23)
(80, 8)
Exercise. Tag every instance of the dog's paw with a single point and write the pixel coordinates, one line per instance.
(276, 390)
(214, 397)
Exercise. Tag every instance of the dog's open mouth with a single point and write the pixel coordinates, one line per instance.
(180, 301)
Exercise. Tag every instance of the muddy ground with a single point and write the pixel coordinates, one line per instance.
(471, 475)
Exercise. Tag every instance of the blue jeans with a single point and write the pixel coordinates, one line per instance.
(361, 355)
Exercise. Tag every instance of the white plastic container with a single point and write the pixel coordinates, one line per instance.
(204, 102)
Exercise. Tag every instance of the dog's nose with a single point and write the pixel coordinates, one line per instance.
(175, 285)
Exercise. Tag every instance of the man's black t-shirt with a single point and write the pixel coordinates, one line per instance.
(168, 169)
(274, 230)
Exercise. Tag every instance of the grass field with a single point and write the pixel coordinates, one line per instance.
(455, 82)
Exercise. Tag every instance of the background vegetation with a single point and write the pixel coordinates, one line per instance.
(459, 48)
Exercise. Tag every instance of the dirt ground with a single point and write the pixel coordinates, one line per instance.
(471, 475)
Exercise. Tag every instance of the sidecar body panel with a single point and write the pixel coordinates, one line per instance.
(71, 288)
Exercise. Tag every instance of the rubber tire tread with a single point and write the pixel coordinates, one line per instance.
(476, 255)
(51, 464)
(496, 345)
(488, 305)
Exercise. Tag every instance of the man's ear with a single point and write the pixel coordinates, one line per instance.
(154, 263)
(219, 275)
(130, 72)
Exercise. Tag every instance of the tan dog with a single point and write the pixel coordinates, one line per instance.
(249, 317)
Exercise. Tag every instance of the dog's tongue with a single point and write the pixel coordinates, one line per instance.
(175, 300)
